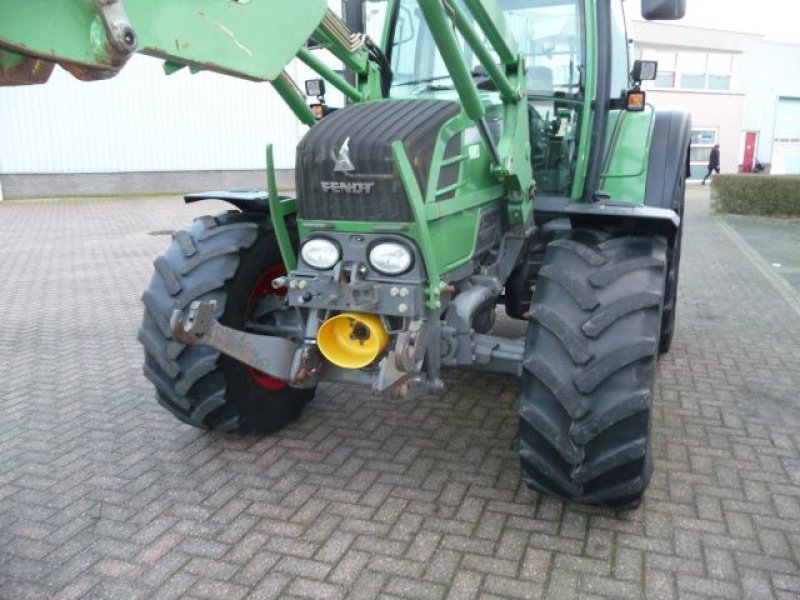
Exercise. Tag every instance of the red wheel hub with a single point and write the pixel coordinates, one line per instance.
(262, 289)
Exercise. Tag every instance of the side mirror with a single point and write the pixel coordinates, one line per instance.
(663, 10)
(644, 70)
(315, 87)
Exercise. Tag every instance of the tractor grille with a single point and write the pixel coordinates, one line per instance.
(371, 128)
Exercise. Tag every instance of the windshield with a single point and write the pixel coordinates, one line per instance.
(548, 33)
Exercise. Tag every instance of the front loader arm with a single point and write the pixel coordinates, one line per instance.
(93, 39)
(510, 155)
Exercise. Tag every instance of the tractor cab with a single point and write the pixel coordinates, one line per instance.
(551, 39)
(571, 50)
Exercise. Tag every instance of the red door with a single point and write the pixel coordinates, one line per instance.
(749, 151)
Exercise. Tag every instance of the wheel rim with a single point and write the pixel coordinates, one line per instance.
(262, 289)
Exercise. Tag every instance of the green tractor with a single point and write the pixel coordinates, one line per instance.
(488, 152)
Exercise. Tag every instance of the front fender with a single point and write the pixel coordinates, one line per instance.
(624, 173)
(666, 169)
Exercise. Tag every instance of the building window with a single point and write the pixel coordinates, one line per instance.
(665, 78)
(691, 70)
(703, 140)
(719, 71)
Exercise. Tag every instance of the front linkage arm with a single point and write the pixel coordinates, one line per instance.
(269, 354)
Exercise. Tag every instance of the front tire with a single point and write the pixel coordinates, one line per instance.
(589, 368)
(231, 259)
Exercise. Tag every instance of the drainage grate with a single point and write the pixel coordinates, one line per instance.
(161, 232)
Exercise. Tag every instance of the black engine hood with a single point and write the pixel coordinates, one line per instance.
(364, 133)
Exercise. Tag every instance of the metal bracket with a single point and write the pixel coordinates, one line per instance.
(121, 37)
(499, 355)
(307, 366)
(269, 354)
(19, 69)
(389, 377)
(411, 346)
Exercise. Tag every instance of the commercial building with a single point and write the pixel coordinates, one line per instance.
(772, 112)
(742, 90)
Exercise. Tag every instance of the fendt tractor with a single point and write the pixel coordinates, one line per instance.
(485, 153)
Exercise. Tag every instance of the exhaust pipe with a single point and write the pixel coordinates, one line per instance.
(352, 340)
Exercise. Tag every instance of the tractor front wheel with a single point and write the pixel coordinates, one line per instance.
(589, 367)
(232, 259)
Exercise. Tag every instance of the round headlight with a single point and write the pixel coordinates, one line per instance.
(320, 253)
(390, 258)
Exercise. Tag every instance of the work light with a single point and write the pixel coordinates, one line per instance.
(320, 253)
(390, 258)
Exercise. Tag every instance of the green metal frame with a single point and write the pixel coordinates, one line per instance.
(589, 93)
(288, 91)
(423, 233)
(624, 175)
(279, 209)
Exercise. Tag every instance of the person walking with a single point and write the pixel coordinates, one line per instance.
(713, 163)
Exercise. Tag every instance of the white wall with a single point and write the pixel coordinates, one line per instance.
(723, 112)
(143, 120)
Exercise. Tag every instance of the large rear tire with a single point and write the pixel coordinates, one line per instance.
(231, 259)
(589, 368)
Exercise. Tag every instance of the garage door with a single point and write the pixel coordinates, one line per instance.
(786, 145)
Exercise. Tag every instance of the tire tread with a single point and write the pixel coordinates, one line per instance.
(584, 430)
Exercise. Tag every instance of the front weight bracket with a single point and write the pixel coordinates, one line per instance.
(269, 354)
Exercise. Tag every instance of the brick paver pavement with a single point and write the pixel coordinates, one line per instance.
(104, 495)
(776, 240)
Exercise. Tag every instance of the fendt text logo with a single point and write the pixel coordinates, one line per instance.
(345, 187)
